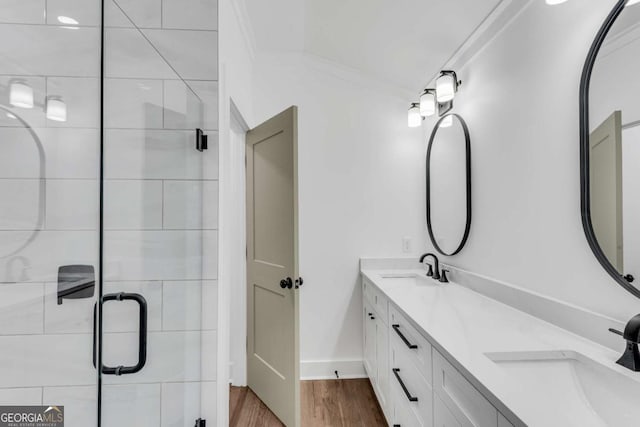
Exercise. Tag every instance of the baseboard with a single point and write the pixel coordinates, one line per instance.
(325, 369)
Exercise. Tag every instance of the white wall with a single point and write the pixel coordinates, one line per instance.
(520, 101)
(361, 184)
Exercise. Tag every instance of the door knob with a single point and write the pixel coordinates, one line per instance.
(286, 283)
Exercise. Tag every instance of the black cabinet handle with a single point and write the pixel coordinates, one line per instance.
(142, 337)
(404, 387)
(406, 341)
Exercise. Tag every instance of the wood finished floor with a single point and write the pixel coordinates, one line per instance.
(326, 403)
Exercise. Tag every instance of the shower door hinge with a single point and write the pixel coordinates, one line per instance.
(201, 423)
(202, 140)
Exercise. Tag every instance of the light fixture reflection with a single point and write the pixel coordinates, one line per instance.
(11, 116)
(428, 103)
(67, 20)
(21, 94)
(56, 109)
(555, 2)
(414, 119)
(630, 2)
(446, 122)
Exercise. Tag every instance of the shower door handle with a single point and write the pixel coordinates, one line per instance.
(142, 338)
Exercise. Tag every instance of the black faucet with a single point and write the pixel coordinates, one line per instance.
(436, 266)
(631, 357)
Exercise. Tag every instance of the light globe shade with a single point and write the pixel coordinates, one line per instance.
(445, 87)
(427, 104)
(446, 122)
(414, 119)
(56, 110)
(21, 94)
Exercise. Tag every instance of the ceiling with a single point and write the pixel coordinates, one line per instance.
(402, 42)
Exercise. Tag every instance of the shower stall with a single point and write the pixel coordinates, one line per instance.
(108, 209)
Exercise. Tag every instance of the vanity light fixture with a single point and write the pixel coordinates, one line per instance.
(428, 103)
(20, 94)
(447, 86)
(414, 119)
(56, 109)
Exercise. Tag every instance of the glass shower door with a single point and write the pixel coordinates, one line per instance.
(49, 209)
(158, 90)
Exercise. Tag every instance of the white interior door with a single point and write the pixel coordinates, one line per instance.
(272, 267)
(605, 178)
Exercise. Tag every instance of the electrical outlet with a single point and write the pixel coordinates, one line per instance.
(406, 245)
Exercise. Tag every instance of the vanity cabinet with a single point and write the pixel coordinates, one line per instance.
(376, 344)
(416, 386)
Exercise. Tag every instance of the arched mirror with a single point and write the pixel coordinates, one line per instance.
(449, 185)
(610, 145)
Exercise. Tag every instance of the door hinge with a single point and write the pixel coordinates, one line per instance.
(201, 423)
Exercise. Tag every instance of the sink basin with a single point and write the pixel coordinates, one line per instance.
(590, 393)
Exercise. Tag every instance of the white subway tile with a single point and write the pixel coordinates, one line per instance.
(210, 305)
(210, 160)
(33, 116)
(158, 255)
(191, 205)
(50, 51)
(130, 55)
(46, 360)
(82, 96)
(23, 12)
(72, 316)
(40, 259)
(182, 308)
(183, 109)
(80, 403)
(86, 12)
(210, 255)
(193, 54)
(190, 14)
(209, 400)
(72, 204)
(131, 405)
(133, 103)
(21, 309)
(171, 356)
(133, 13)
(210, 351)
(71, 153)
(152, 154)
(132, 205)
(207, 91)
(124, 316)
(22, 206)
(180, 404)
(21, 396)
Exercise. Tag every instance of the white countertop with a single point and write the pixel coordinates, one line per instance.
(464, 325)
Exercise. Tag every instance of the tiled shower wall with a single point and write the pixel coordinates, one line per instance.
(160, 212)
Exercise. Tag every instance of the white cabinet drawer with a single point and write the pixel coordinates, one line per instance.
(410, 389)
(442, 416)
(377, 299)
(466, 403)
(403, 414)
(406, 337)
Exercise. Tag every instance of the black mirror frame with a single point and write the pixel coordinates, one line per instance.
(585, 197)
(468, 179)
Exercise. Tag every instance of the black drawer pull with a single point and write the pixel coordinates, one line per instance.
(404, 387)
(406, 341)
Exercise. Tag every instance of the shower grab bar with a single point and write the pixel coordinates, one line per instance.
(142, 338)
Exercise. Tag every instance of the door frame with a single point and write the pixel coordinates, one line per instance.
(230, 116)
